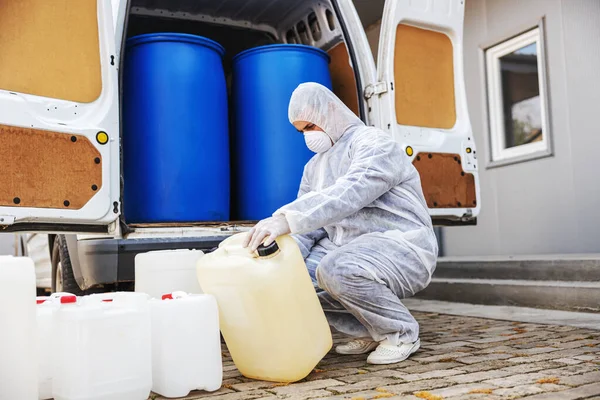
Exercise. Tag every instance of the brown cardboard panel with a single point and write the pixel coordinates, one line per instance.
(342, 76)
(50, 48)
(424, 78)
(47, 169)
(445, 184)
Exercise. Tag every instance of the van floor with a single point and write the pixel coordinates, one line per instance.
(460, 358)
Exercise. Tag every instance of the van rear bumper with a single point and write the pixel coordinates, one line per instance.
(109, 261)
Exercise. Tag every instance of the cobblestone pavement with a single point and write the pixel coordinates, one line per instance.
(460, 358)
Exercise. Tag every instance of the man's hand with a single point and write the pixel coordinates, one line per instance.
(269, 229)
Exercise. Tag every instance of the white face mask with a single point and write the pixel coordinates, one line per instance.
(317, 141)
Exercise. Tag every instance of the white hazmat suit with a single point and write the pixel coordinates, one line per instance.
(361, 222)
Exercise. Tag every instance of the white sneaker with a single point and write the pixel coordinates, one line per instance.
(389, 354)
(357, 346)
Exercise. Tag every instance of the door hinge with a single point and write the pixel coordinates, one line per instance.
(7, 220)
(467, 216)
(377, 88)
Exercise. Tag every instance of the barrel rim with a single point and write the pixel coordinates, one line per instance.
(176, 37)
(272, 47)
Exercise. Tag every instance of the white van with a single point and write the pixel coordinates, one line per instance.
(60, 111)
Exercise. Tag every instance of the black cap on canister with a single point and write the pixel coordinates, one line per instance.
(264, 251)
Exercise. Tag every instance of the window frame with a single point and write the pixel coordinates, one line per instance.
(498, 154)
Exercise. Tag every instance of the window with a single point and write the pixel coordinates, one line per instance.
(517, 100)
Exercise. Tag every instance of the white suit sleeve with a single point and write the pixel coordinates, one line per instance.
(378, 165)
(307, 241)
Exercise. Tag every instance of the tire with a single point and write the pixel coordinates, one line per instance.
(63, 279)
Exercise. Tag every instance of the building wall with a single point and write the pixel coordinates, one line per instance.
(549, 205)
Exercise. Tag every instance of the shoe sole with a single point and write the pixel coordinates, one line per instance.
(413, 350)
(371, 347)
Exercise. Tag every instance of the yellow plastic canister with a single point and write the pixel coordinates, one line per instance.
(270, 315)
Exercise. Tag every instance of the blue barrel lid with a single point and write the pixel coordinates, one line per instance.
(279, 47)
(176, 37)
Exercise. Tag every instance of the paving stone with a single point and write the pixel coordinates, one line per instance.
(570, 361)
(367, 383)
(479, 376)
(497, 349)
(487, 357)
(578, 343)
(367, 395)
(333, 373)
(305, 386)
(486, 366)
(583, 379)
(384, 373)
(460, 390)
(421, 368)
(449, 345)
(249, 395)
(549, 356)
(526, 390)
(533, 367)
(573, 369)
(432, 374)
(585, 358)
(424, 358)
(196, 394)
(580, 392)
(398, 366)
(341, 360)
(411, 387)
(231, 374)
(538, 350)
(466, 350)
(494, 339)
(343, 364)
(453, 338)
(519, 379)
(310, 394)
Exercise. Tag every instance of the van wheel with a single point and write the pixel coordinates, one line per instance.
(63, 279)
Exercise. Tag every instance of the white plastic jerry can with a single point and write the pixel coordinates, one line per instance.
(46, 307)
(103, 348)
(166, 271)
(18, 350)
(186, 344)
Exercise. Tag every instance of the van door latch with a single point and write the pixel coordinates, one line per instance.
(377, 88)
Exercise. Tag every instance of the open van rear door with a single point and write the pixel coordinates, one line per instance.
(59, 114)
(421, 97)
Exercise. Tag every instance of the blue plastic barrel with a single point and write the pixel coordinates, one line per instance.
(269, 153)
(175, 130)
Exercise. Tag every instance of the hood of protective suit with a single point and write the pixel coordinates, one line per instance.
(314, 103)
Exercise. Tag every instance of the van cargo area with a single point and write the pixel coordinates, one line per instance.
(240, 25)
(100, 261)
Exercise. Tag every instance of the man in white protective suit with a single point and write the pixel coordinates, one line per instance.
(362, 225)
